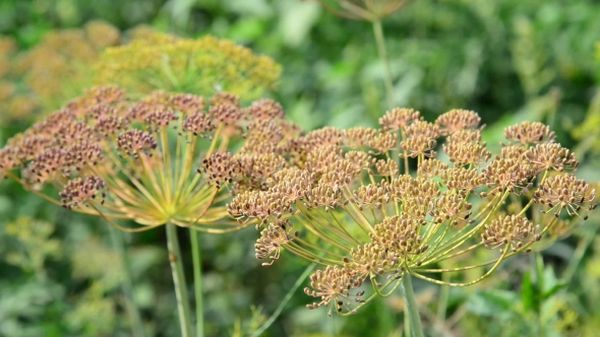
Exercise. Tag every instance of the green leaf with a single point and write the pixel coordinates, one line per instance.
(552, 291)
(528, 293)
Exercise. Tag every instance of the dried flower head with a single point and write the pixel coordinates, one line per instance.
(302, 146)
(370, 260)
(432, 167)
(380, 209)
(81, 190)
(456, 120)
(507, 174)
(161, 159)
(398, 235)
(333, 285)
(452, 207)
(512, 230)
(420, 139)
(398, 119)
(466, 150)
(548, 156)
(565, 192)
(220, 168)
(529, 133)
(386, 167)
(269, 245)
(462, 179)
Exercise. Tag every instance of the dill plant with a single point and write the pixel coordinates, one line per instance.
(165, 160)
(381, 206)
(143, 155)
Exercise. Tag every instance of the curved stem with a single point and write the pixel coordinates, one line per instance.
(197, 263)
(382, 51)
(411, 307)
(501, 258)
(181, 293)
(284, 302)
(372, 296)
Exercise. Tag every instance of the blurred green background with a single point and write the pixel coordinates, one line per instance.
(510, 60)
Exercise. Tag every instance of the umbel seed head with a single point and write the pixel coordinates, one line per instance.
(410, 199)
(566, 192)
(165, 158)
(513, 230)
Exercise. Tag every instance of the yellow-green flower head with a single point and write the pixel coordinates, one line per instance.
(203, 66)
(161, 159)
(376, 205)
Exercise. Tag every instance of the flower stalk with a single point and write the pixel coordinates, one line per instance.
(284, 301)
(181, 293)
(412, 310)
(383, 56)
(198, 291)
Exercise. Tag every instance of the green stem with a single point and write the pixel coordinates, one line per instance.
(197, 262)
(443, 301)
(406, 326)
(382, 51)
(137, 325)
(411, 307)
(284, 302)
(181, 293)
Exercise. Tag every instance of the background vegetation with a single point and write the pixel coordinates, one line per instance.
(61, 275)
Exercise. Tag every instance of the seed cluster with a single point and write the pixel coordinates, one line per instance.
(269, 245)
(80, 190)
(513, 230)
(355, 203)
(163, 158)
(566, 192)
(529, 133)
(333, 285)
(220, 168)
(136, 142)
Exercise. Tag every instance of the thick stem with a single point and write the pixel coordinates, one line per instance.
(382, 51)
(137, 325)
(181, 293)
(411, 307)
(197, 262)
(284, 302)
